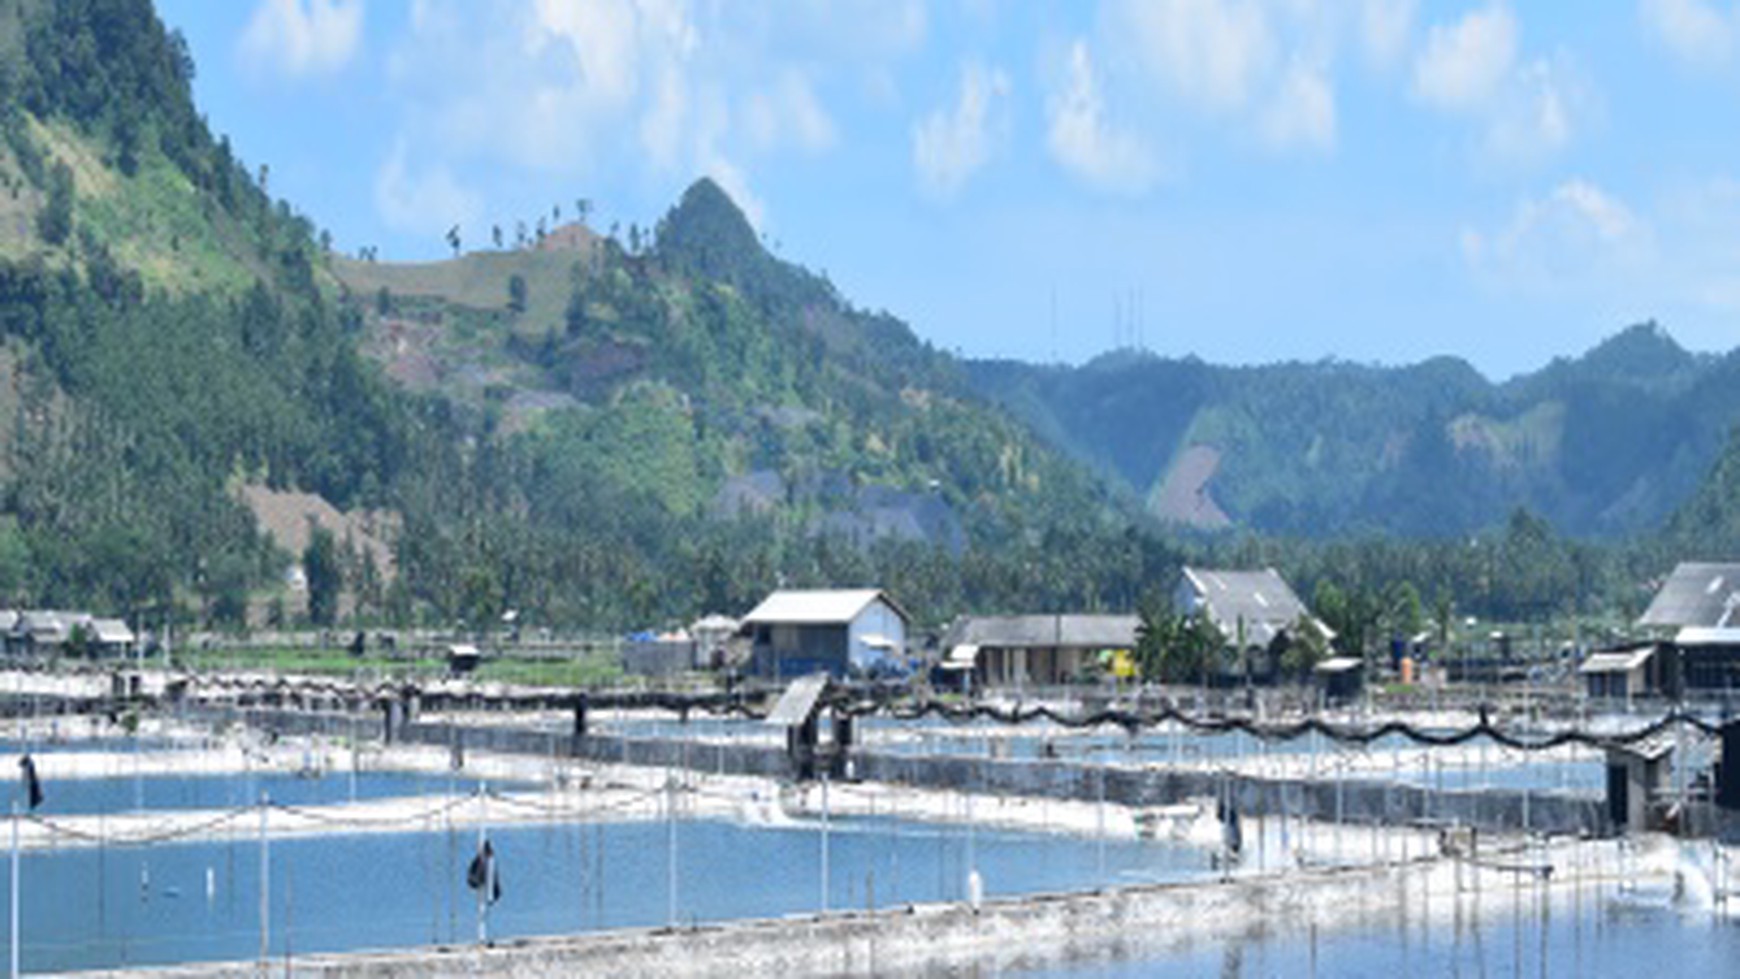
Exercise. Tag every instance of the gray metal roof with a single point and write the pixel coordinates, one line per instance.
(1618, 660)
(1261, 601)
(1704, 595)
(1045, 631)
(799, 700)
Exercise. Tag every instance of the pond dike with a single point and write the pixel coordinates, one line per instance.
(930, 939)
(1349, 800)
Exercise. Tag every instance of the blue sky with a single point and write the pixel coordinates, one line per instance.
(1243, 180)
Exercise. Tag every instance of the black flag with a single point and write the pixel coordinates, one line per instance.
(32, 785)
(1232, 835)
(482, 874)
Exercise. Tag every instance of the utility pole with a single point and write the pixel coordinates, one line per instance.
(15, 937)
(825, 842)
(483, 893)
(265, 886)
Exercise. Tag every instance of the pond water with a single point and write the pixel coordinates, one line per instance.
(119, 906)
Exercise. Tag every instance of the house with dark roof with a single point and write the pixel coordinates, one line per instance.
(838, 631)
(1255, 612)
(1697, 612)
(1035, 650)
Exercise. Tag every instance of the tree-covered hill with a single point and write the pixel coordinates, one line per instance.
(1707, 526)
(687, 400)
(604, 430)
(165, 328)
(1603, 444)
(597, 432)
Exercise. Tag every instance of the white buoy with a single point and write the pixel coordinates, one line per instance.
(975, 890)
(210, 884)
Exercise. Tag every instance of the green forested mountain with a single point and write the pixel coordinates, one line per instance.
(683, 422)
(1604, 444)
(595, 432)
(608, 430)
(163, 329)
(1707, 525)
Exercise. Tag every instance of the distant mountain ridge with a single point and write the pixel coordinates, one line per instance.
(611, 432)
(1606, 443)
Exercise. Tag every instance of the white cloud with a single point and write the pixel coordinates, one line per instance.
(1673, 256)
(1082, 140)
(952, 142)
(1576, 238)
(1302, 112)
(788, 114)
(1213, 53)
(1698, 221)
(1463, 65)
(1526, 111)
(1694, 30)
(605, 39)
(665, 122)
(1384, 26)
(663, 90)
(1539, 113)
(426, 203)
(302, 37)
(1261, 70)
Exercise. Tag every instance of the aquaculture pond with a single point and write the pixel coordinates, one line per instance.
(94, 907)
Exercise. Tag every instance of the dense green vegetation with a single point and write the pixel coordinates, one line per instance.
(166, 330)
(1606, 444)
(176, 332)
(608, 434)
(1708, 524)
(698, 363)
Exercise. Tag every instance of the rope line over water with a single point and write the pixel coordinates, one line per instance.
(59, 829)
(1134, 721)
(847, 704)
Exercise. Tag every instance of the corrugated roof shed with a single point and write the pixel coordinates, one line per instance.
(1696, 594)
(1617, 660)
(816, 607)
(1045, 631)
(1261, 600)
